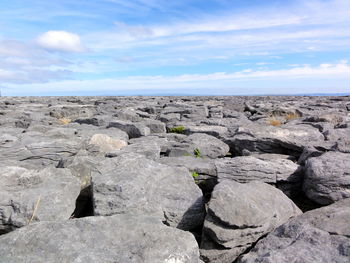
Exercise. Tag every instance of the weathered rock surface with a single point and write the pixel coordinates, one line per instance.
(240, 214)
(120, 157)
(202, 169)
(321, 235)
(30, 195)
(269, 139)
(249, 168)
(204, 166)
(134, 130)
(327, 177)
(132, 182)
(213, 130)
(119, 238)
(106, 143)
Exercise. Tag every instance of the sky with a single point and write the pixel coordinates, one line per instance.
(183, 47)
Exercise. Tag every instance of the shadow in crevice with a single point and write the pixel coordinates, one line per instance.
(304, 203)
(84, 204)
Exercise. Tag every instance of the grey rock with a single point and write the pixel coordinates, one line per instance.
(333, 118)
(35, 150)
(327, 177)
(118, 239)
(208, 145)
(204, 169)
(81, 167)
(53, 191)
(171, 117)
(342, 145)
(337, 134)
(72, 111)
(309, 152)
(321, 235)
(128, 115)
(215, 131)
(87, 131)
(155, 126)
(240, 214)
(134, 130)
(96, 121)
(289, 140)
(150, 147)
(132, 182)
(205, 145)
(249, 168)
(216, 112)
(106, 143)
(199, 165)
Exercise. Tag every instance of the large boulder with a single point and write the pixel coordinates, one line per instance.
(321, 235)
(119, 239)
(31, 195)
(240, 214)
(132, 182)
(327, 178)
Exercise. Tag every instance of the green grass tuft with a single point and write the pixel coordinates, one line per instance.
(177, 129)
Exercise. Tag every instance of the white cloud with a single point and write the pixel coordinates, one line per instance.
(61, 41)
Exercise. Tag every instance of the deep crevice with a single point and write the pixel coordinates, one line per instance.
(304, 203)
(84, 204)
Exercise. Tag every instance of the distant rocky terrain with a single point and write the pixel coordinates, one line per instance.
(175, 179)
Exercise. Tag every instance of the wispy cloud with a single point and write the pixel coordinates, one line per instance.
(231, 83)
(174, 44)
(307, 20)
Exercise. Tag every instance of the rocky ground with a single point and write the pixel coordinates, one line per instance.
(175, 179)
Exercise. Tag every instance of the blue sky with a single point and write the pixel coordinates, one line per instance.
(111, 47)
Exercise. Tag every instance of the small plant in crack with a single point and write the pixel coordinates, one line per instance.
(197, 153)
(195, 175)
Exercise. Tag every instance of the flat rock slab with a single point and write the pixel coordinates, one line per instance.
(215, 131)
(240, 214)
(289, 140)
(327, 177)
(321, 235)
(117, 239)
(132, 182)
(249, 168)
(53, 191)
